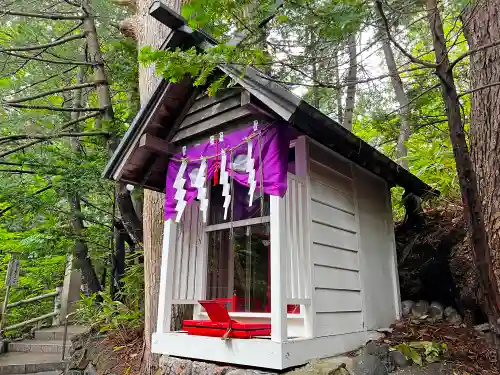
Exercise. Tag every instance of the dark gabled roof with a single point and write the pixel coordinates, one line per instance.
(169, 100)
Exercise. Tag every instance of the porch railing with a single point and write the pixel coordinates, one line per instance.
(298, 285)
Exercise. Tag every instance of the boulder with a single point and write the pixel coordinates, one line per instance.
(436, 312)
(452, 316)
(90, 370)
(406, 308)
(420, 309)
(176, 366)
(366, 364)
(382, 352)
(399, 358)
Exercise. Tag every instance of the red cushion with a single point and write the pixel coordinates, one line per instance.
(219, 323)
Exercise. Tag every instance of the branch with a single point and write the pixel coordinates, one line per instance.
(79, 119)
(51, 108)
(36, 58)
(51, 92)
(48, 45)
(48, 16)
(20, 171)
(471, 91)
(40, 140)
(398, 46)
(52, 136)
(32, 195)
(59, 74)
(472, 51)
(414, 99)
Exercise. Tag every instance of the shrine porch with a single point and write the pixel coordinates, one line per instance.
(258, 352)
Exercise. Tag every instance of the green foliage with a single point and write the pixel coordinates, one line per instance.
(38, 275)
(100, 311)
(35, 215)
(420, 351)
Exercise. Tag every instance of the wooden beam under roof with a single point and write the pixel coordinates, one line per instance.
(157, 145)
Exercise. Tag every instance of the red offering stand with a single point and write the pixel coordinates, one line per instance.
(221, 324)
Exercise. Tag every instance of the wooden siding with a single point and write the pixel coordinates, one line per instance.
(377, 261)
(338, 298)
(230, 108)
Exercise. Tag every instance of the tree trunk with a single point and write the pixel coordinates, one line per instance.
(338, 93)
(124, 200)
(351, 82)
(482, 28)
(151, 33)
(82, 258)
(402, 99)
(466, 174)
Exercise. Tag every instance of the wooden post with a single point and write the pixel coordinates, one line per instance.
(56, 320)
(302, 170)
(70, 292)
(11, 278)
(4, 306)
(278, 270)
(166, 277)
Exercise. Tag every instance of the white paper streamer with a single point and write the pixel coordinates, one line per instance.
(249, 156)
(180, 193)
(251, 173)
(224, 181)
(200, 179)
(202, 190)
(251, 192)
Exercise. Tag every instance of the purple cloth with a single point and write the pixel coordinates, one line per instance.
(275, 146)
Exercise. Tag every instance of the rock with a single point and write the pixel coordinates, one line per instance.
(420, 309)
(436, 312)
(176, 366)
(452, 315)
(449, 311)
(399, 359)
(485, 327)
(202, 368)
(382, 352)
(406, 308)
(241, 372)
(367, 364)
(90, 370)
(385, 330)
(333, 366)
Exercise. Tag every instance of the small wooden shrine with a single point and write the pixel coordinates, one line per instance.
(278, 221)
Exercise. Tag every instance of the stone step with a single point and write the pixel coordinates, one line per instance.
(30, 363)
(57, 333)
(38, 346)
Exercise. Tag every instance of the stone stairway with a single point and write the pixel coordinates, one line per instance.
(41, 356)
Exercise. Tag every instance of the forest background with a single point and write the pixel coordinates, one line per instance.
(416, 79)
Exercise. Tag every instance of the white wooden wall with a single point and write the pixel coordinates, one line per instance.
(189, 258)
(378, 255)
(338, 300)
(353, 250)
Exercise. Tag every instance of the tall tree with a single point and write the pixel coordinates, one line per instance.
(151, 33)
(352, 75)
(401, 97)
(482, 30)
(472, 204)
